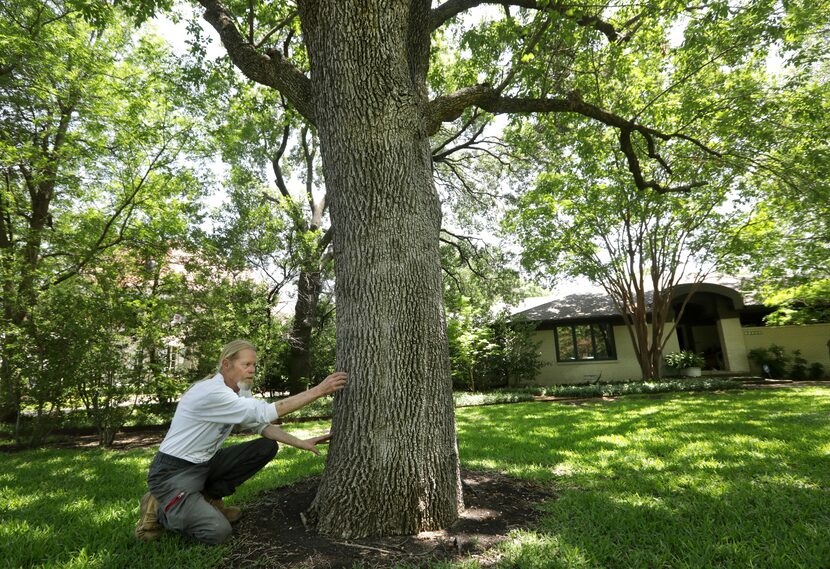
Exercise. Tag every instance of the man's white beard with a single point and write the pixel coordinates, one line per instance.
(245, 388)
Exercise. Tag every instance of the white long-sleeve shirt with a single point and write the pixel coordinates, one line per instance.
(205, 416)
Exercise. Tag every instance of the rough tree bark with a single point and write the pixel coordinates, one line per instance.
(393, 465)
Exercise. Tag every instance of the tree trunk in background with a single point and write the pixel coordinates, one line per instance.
(20, 296)
(305, 317)
(393, 463)
(9, 397)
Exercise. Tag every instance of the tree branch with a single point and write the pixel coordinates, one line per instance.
(325, 240)
(270, 68)
(452, 8)
(531, 45)
(463, 255)
(6, 235)
(308, 157)
(129, 206)
(251, 21)
(447, 108)
(275, 162)
(450, 107)
(439, 156)
(460, 131)
(285, 21)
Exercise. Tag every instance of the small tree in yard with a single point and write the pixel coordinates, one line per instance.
(487, 349)
(519, 358)
(638, 246)
(487, 352)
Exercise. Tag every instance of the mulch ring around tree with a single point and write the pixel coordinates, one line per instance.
(271, 533)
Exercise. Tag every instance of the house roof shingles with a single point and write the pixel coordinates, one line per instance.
(572, 306)
(598, 304)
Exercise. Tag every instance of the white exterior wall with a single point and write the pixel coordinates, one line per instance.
(811, 339)
(736, 341)
(623, 368)
(733, 345)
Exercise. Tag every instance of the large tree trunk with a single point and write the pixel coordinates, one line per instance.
(393, 463)
(9, 390)
(18, 306)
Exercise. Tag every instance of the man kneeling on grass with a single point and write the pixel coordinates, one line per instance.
(191, 474)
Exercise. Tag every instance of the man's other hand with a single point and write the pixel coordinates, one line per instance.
(334, 382)
(311, 444)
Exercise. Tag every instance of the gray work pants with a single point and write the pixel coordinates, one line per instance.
(182, 487)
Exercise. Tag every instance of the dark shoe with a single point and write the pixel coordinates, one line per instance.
(231, 513)
(148, 527)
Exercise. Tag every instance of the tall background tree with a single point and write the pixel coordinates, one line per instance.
(279, 216)
(91, 149)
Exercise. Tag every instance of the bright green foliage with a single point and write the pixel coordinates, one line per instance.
(583, 221)
(586, 219)
(705, 74)
(487, 350)
(805, 304)
(491, 351)
(86, 347)
(633, 387)
(275, 220)
(95, 189)
(773, 361)
(791, 222)
(257, 137)
(776, 363)
(683, 359)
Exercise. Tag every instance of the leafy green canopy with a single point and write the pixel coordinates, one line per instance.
(805, 304)
(101, 176)
(707, 71)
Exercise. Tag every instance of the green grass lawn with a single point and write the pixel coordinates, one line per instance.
(732, 479)
(689, 480)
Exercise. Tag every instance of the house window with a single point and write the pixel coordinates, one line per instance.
(174, 358)
(578, 342)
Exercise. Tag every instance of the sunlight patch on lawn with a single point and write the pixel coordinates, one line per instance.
(637, 500)
(615, 440)
(529, 549)
(787, 480)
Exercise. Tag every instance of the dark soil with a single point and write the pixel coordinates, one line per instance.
(271, 533)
